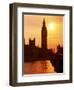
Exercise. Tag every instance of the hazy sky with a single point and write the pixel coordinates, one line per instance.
(33, 27)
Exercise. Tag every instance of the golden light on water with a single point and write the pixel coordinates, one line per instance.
(38, 67)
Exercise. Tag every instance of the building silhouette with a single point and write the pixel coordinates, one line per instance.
(34, 52)
(32, 42)
(44, 35)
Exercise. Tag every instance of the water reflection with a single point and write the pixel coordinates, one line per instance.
(37, 67)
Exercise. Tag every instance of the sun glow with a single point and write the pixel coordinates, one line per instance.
(51, 26)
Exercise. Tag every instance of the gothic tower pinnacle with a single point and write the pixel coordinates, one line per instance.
(44, 35)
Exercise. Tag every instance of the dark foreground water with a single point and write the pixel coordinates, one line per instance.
(38, 67)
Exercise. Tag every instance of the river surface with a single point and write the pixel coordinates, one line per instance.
(38, 67)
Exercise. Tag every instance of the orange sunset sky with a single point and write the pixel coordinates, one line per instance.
(33, 26)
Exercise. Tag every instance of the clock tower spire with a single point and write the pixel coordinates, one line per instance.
(44, 36)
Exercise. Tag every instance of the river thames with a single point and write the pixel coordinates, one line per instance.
(38, 67)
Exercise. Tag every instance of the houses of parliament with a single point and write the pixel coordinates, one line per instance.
(33, 52)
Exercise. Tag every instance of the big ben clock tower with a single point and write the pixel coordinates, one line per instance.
(44, 36)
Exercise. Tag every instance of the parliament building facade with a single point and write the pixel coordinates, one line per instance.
(31, 51)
